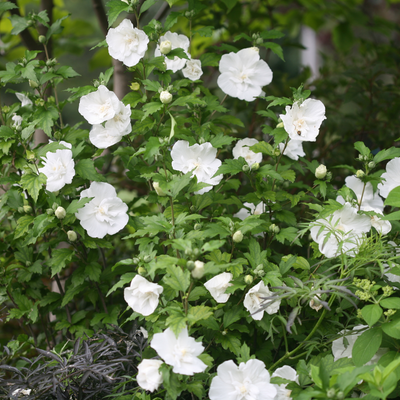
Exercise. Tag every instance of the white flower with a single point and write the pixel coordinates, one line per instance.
(199, 158)
(237, 237)
(248, 381)
(121, 120)
(126, 43)
(288, 373)
(149, 377)
(320, 172)
(59, 168)
(241, 149)
(254, 210)
(392, 277)
(198, 271)
(105, 214)
(294, 149)
(181, 352)
(192, 70)
(99, 106)
(177, 41)
(144, 332)
(142, 295)
(165, 97)
(103, 137)
(217, 286)
(25, 101)
(253, 301)
(243, 74)
(72, 236)
(391, 177)
(302, 121)
(19, 392)
(17, 120)
(343, 230)
(382, 226)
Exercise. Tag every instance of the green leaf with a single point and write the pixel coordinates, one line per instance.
(362, 148)
(93, 271)
(232, 315)
(5, 146)
(392, 328)
(210, 59)
(393, 198)
(85, 168)
(391, 302)
(262, 147)
(146, 5)
(275, 48)
(19, 24)
(75, 205)
(173, 124)
(242, 36)
(33, 183)
(371, 313)
(221, 140)
(55, 29)
(231, 167)
(22, 225)
(272, 34)
(205, 31)
(387, 154)
(44, 119)
(229, 341)
(70, 293)
(116, 7)
(176, 321)
(366, 346)
(198, 313)
(59, 258)
(7, 6)
(229, 4)
(125, 278)
(343, 37)
(151, 85)
(177, 279)
(151, 108)
(178, 52)
(6, 132)
(179, 182)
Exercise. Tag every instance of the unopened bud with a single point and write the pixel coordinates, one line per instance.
(96, 83)
(245, 168)
(320, 172)
(30, 155)
(197, 227)
(72, 236)
(142, 271)
(277, 152)
(331, 393)
(360, 173)
(147, 258)
(60, 213)
(165, 97)
(255, 166)
(237, 236)
(135, 86)
(255, 36)
(21, 210)
(165, 47)
(259, 41)
(371, 164)
(248, 279)
(135, 260)
(39, 102)
(42, 39)
(27, 209)
(158, 190)
(361, 157)
(190, 265)
(33, 84)
(274, 229)
(280, 125)
(198, 271)
(49, 211)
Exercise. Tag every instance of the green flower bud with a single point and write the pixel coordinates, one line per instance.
(237, 237)
(248, 279)
(135, 86)
(21, 210)
(50, 211)
(96, 83)
(147, 258)
(142, 271)
(42, 39)
(165, 47)
(190, 265)
(33, 84)
(72, 236)
(371, 164)
(39, 102)
(277, 152)
(360, 173)
(6, 109)
(27, 209)
(135, 260)
(198, 271)
(60, 213)
(259, 41)
(30, 155)
(255, 36)
(255, 166)
(196, 251)
(245, 168)
(320, 172)
(274, 229)
(158, 190)
(197, 227)
(280, 125)
(331, 393)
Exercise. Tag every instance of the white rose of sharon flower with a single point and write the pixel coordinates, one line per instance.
(17, 120)
(294, 149)
(243, 74)
(149, 377)
(288, 373)
(199, 158)
(105, 213)
(142, 295)
(177, 41)
(103, 137)
(59, 168)
(180, 352)
(254, 210)
(241, 149)
(391, 177)
(254, 299)
(346, 229)
(217, 286)
(192, 70)
(126, 43)
(25, 101)
(303, 120)
(99, 106)
(248, 381)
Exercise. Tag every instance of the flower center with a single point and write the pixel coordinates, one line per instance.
(104, 108)
(299, 125)
(132, 38)
(243, 389)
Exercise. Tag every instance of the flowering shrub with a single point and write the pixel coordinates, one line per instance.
(254, 271)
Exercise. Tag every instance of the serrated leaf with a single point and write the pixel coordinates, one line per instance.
(177, 279)
(116, 7)
(7, 6)
(176, 321)
(146, 5)
(262, 147)
(276, 48)
(93, 271)
(229, 341)
(362, 148)
(221, 140)
(210, 59)
(44, 119)
(125, 278)
(242, 36)
(22, 225)
(231, 167)
(75, 205)
(33, 183)
(178, 52)
(56, 28)
(272, 34)
(19, 24)
(70, 293)
(85, 168)
(387, 154)
(151, 108)
(198, 313)
(59, 258)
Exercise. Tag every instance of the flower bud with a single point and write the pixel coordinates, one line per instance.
(27, 209)
(331, 393)
(248, 279)
(197, 227)
(198, 271)
(6, 109)
(135, 86)
(277, 152)
(320, 172)
(21, 210)
(259, 41)
(39, 102)
(96, 83)
(72, 236)
(33, 84)
(280, 125)
(135, 260)
(237, 237)
(360, 173)
(371, 164)
(190, 265)
(42, 39)
(361, 157)
(142, 271)
(274, 229)
(188, 252)
(147, 258)
(196, 251)
(158, 190)
(30, 155)
(49, 211)
(255, 166)
(60, 212)
(255, 36)
(245, 168)
(165, 47)
(165, 97)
